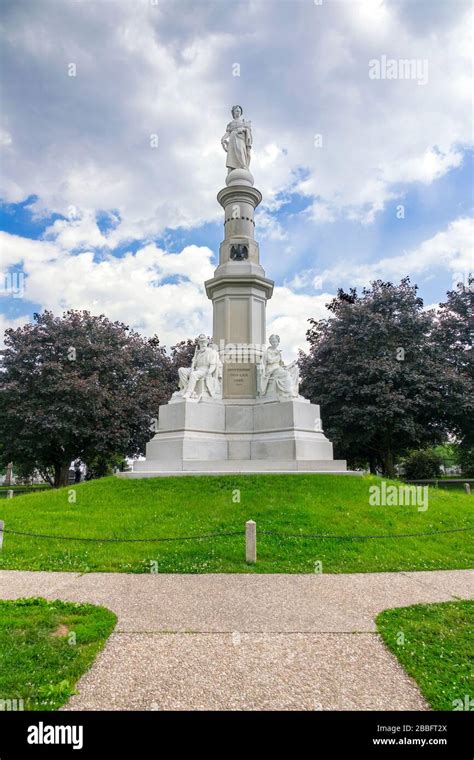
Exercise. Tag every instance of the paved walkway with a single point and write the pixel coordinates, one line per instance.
(283, 642)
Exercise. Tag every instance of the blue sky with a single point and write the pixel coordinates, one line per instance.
(94, 217)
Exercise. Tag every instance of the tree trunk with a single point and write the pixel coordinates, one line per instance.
(46, 475)
(388, 464)
(373, 465)
(61, 474)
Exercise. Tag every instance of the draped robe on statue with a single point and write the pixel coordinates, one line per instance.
(239, 135)
(285, 378)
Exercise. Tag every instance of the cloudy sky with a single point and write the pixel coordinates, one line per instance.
(111, 117)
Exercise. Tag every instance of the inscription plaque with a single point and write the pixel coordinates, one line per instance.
(240, 381)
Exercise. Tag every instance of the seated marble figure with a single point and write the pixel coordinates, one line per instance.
(274, 378)
(204, 377)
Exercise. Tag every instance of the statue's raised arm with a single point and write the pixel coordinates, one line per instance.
(237, 141)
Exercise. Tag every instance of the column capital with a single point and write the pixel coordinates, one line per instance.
(239, 193)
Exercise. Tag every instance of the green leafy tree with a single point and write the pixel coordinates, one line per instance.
(181, 356)
(100, 466)
(454, 338)
(466, 460)
(78, 387)
(372, 368)
(422, 465)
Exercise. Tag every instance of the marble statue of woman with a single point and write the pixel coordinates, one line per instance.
(274, 378)
(237, 141)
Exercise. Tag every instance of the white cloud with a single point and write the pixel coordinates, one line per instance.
(321, 212)
(79, 231)
(287, 315)
(83, 144)
(425, 167)
(269, 227)
(5, 139)
(15, 249)
(166, 69)
(134, 288)
(450, 249)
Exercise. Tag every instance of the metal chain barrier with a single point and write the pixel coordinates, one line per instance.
(122, 540)
(205, 536)
(361, 538)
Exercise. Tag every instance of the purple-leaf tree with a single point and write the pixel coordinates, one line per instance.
(78, 387)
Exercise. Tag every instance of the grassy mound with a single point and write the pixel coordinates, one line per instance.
(434, 644)
(45, 647)
(192, 506)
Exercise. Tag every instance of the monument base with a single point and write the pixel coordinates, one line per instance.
(250, 467)
(234, 435)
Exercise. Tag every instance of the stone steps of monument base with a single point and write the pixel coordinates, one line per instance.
(150, 469)
(236, 465)
(196, 473)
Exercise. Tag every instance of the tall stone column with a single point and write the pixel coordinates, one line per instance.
(239, 289)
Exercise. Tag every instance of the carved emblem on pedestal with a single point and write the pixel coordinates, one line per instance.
(239, 252)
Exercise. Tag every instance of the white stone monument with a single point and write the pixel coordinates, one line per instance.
(238, 408)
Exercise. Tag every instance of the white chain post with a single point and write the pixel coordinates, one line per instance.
(251, 541)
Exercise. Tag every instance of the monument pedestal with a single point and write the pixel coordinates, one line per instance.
(238, 436)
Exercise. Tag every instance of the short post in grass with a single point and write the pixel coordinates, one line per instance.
(10, 494)
(467, 488)
(251, 541)
(2, 525)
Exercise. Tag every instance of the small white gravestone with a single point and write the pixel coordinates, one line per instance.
(8, 474)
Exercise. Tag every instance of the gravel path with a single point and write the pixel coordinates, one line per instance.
(245, 642)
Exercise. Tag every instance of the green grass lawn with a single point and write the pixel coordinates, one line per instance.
(188, 506)
(436, 649)
(45, 647)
